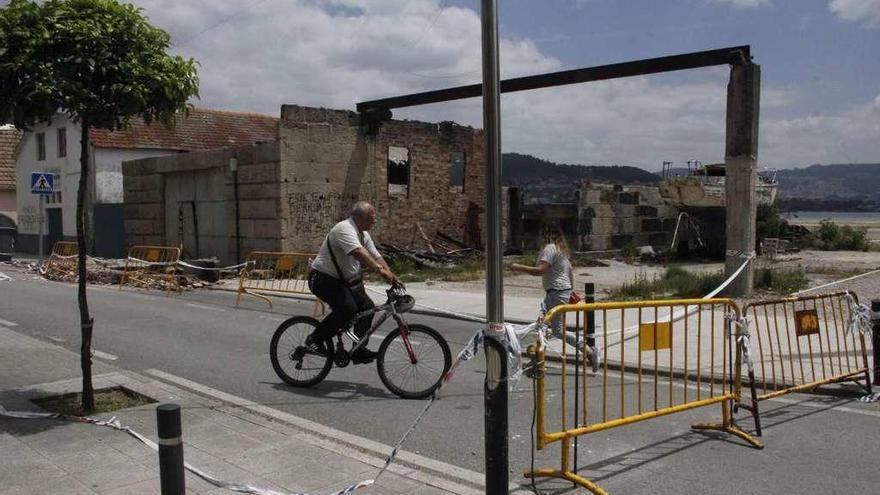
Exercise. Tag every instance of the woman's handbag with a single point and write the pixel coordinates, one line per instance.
(574, 298)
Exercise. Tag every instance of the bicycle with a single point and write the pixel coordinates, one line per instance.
(411, 361)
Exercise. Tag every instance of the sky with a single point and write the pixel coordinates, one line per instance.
(820, 92)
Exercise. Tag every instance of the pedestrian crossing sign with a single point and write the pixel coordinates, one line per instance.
(42, 183)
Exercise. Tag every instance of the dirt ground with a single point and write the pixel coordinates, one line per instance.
(821, 267)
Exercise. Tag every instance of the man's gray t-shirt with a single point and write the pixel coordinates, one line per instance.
(344, 238)
(556, 276)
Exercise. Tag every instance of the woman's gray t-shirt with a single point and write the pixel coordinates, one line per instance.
(556, 277)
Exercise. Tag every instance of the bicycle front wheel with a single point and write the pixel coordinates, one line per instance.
(412, 363)
(289, 358)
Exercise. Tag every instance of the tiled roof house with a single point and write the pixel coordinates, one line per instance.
(9, 139)
(55, 148)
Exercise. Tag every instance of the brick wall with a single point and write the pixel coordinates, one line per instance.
(329, 161)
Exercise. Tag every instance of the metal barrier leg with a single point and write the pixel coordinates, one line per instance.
(258, 296)
(728, 426)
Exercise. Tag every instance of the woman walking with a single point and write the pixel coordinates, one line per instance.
(554, 268)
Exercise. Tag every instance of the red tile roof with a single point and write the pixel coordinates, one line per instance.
(203, 129)
(9, 139)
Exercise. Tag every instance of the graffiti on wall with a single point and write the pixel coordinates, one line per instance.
(28, 220)
(316, 212)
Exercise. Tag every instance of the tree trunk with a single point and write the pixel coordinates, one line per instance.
(86, 322)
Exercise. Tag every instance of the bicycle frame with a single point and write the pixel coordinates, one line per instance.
(386, 310)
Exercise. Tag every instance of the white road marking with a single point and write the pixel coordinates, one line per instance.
(210, 308)
(7, 323)
(272, 318)
(55, 339)
(104, 355)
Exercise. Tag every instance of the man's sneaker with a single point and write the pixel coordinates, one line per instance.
(363, 356)
(309, 347)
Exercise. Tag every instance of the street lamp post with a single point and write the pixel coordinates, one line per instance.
(495, 390)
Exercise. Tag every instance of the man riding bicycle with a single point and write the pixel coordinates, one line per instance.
(336, 277)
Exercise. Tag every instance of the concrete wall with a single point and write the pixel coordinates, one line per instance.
(157, 190)
(614, 216)
(329, 161)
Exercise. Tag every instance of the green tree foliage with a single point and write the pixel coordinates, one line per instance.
(100, 62)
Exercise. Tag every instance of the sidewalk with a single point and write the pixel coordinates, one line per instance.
(434, 302)
(235, 442)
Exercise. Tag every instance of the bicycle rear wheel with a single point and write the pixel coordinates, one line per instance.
(308, 368)
(416, 375)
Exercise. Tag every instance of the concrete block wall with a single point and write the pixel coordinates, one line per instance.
(612, 216)
(150, 214)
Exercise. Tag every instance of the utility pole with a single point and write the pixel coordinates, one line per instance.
(741, 159)
(495, 390)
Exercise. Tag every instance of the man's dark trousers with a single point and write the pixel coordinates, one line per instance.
(344, 303)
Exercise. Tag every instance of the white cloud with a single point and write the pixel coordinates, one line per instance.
(335, 53)
(848, 137)
(866, 12)
(743, 4)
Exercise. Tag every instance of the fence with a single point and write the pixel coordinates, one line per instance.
(276, 272)
(816, 346)
(684, 355)
(63, 260)
(151, 266)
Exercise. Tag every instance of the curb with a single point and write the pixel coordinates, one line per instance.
(415, 310)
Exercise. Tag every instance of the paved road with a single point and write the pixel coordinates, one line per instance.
(811, 442)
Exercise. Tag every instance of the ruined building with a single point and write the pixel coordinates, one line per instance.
(284, 195)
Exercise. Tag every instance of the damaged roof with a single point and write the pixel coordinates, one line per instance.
(202, 129)
(9, 139)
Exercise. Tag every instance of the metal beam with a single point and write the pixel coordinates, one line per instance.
(736, 55)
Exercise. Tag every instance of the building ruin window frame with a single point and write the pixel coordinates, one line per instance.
(463, 169)
(409, 174)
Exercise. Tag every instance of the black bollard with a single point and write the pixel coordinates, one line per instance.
(875, 338)
(590, 297)
(171, 471)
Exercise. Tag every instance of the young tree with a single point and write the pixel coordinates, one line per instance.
(100, 62)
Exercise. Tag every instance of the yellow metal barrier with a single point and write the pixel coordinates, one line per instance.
(63, 260)
(278, 272)
(659, 357)
(801, 343)
(151, 266)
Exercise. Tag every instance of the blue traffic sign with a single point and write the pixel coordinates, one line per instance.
(42, 183)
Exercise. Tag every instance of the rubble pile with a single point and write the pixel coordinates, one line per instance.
(101, 271)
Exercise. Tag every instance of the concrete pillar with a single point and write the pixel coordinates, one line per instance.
(741, 158)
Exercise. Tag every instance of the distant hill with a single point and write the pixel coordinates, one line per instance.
(838, 181)
(548, 182)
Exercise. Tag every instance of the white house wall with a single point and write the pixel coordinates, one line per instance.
(66, 170)
(108, 170)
